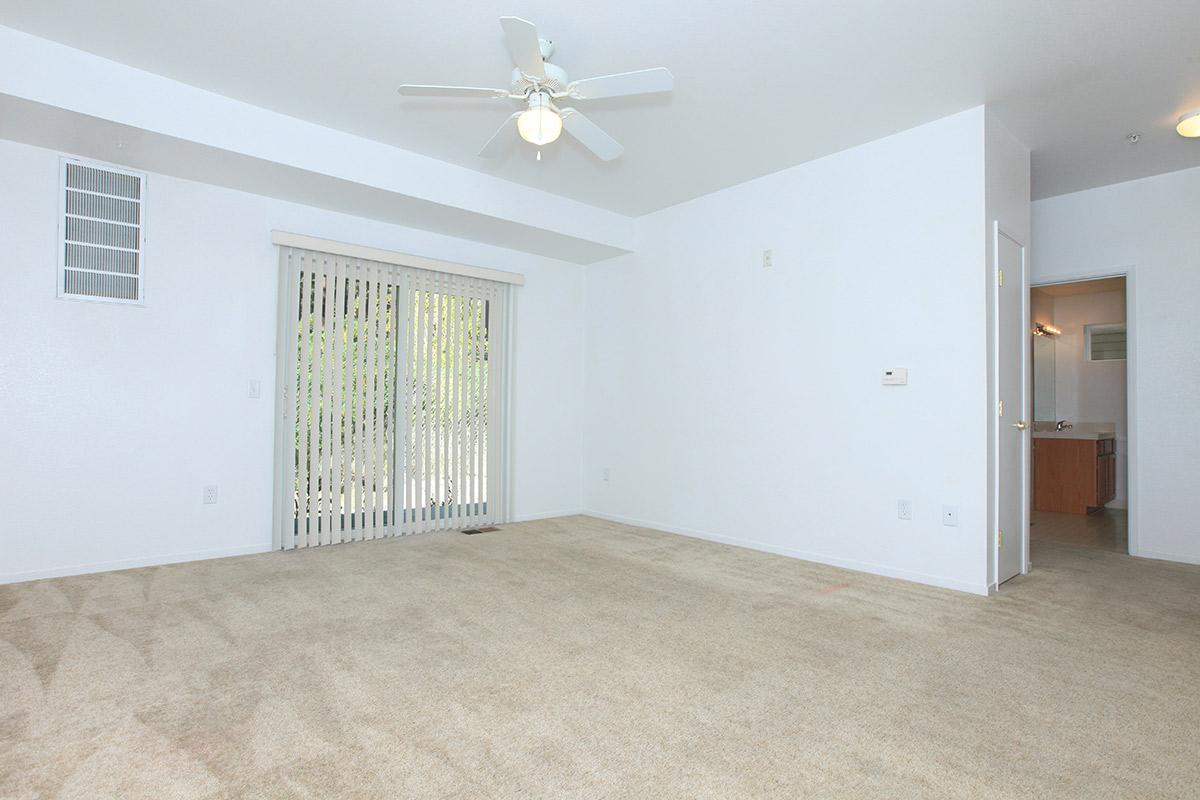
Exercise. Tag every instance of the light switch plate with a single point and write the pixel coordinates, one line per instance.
(950, 516)
(895, 376)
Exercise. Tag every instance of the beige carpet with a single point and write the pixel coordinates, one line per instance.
(574, 658)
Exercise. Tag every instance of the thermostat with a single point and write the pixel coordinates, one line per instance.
(895, 376)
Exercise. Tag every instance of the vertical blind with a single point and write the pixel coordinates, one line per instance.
(393, 402)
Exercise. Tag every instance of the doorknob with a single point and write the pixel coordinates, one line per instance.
(1020, 425)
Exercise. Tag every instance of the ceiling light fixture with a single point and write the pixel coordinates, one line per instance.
(540, 123)
(1189, 124)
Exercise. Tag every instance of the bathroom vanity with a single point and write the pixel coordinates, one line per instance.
(1074, 472)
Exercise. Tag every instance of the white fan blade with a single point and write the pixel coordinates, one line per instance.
(500, 139)
(520, 36)
(413, 90)
(590, 135)
(643, 81)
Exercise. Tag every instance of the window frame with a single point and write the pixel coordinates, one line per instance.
(1103, 327)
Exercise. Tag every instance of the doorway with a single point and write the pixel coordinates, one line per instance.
(1079, 493)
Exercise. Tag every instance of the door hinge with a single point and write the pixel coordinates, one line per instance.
(1000, 408)
(1000, 277)
(999, 538)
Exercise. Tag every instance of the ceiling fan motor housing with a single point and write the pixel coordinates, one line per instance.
(554, 82)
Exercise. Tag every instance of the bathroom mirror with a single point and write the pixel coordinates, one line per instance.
(1043, 379)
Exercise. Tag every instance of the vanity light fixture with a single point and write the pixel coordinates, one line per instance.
(1042, 329)
(1189, 125)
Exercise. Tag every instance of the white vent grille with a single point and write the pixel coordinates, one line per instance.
(100, 242)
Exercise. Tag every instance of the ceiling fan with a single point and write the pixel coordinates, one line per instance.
(539, 84)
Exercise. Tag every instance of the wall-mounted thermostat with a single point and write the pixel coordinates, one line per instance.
(895, 376)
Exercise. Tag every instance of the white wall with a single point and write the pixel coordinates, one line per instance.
(114, 417)
(744, 404)
(1041, 308)
(1089, 392)
(1149, 228)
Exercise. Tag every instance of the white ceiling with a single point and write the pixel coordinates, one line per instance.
(1081, 287)
(759, 86)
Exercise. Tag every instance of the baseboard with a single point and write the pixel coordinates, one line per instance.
(131, 563)
(547, 515)
(1167, 557)
(197, 555)
(805, 555)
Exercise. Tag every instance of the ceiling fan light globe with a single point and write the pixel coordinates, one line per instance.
(539, 125)
(1189, 125)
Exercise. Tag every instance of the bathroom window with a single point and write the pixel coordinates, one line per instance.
(1105, 342)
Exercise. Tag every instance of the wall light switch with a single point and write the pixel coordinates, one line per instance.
(210, 495)
(950, 516)
(904, 509)
(895, 376)
(768, 258)
(256, 389)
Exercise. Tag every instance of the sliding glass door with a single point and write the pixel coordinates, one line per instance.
(392, 405)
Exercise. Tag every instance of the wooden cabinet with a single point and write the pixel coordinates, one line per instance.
(1073, 475)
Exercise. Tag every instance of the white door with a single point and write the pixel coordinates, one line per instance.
(1011, 539)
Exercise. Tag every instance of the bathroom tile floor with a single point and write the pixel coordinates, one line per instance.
(1107, 529)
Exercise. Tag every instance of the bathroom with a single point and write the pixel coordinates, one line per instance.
(1080, 431)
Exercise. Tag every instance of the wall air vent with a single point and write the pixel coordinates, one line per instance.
(101, 236)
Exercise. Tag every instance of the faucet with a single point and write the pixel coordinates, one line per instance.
(1063, 425)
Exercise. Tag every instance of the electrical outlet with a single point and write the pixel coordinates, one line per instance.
(768, 258)
(255, 389)
(210, 495)
(604, 474)
(950, 516)
(904, 509)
